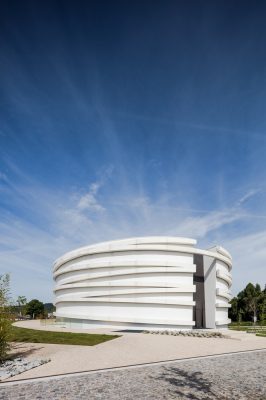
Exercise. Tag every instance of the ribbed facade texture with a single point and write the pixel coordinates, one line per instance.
(144, 283)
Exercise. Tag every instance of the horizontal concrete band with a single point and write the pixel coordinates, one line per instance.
(135, 272)
(222, 251)
(224, 294)
(118, 247)
(223, 322)
(92, 264)
(145, 321)
(224, 277)
(112, 291)
(174, 240)
(109, 300)
(223, 305)
(123, 243)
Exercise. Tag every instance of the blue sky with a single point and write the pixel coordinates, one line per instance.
(120, 119)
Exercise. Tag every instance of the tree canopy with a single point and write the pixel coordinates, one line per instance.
(249, 303)
(35, 308)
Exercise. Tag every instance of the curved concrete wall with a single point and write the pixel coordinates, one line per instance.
(137, 283)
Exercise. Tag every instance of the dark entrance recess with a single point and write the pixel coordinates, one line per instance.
(199, 295)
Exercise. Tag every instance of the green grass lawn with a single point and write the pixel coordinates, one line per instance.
(261, 334)
(246, 323)
(238, 328)
(247, 326)
(35, 336)
(260, 330)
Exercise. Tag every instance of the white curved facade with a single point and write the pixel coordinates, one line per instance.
(144, 283)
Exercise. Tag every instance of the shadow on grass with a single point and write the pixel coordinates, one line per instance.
(188, 385)
(22, 350)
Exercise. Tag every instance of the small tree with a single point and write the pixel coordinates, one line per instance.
(35, 308)
(5, 317)
(250, 299)
(21, 302)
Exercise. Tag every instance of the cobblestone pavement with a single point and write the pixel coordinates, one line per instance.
(230, 377)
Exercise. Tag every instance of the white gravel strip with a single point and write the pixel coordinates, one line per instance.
(17, 366)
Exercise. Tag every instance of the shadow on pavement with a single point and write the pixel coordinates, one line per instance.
(188, 385)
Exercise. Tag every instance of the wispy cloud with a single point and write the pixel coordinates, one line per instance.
(170, 120)
(200, 226)
(51, 222)
(251, 193)
(3, 177)
(89, 201)
(185, 161)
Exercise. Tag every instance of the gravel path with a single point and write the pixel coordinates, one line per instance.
(230, 377)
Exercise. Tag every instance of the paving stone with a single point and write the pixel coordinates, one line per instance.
(231, 377)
